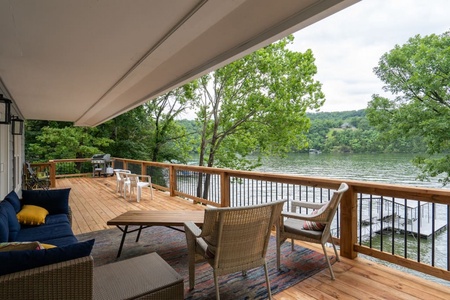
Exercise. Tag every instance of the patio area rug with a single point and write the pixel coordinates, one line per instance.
(171, 246)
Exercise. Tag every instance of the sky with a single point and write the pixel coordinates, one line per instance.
(348, 45)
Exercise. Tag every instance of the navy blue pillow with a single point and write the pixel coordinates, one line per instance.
(13, 223)
(55, 201)
(15, 261)
(14, 200)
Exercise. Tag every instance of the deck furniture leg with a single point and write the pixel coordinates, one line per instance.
(125, 230)
(139, 233)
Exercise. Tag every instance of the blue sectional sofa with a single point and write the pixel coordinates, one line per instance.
(55, 228)
(67, 270)
(40, 257)
(41, 220)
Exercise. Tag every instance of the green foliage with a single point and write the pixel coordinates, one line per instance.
(350, 132)
(257, 103)
(32, 131)
(169, 140)
(128, 133)
(66, 142)
(151, 131)
(417, 74)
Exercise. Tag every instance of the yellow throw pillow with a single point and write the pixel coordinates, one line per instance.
(47, 246)
(32, 215)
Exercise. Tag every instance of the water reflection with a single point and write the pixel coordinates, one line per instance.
(387, 168)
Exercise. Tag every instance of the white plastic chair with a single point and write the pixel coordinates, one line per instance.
(134, 181)
(120, 178)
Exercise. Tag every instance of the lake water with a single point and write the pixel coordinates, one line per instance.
(387, 168)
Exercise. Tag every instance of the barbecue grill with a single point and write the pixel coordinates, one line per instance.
(101, 165)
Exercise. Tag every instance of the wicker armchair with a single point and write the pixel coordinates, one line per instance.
(292, 224)
(232, 240)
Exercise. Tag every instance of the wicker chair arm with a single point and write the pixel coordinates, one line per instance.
(305, 204)
(71, 279)
(297, 216)
(192, 229)
(304, 217)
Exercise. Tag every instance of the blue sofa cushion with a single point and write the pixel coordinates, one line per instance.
(55, 201)
(45, 232)
(15, 261)
(14, 200)
(13, 223)
(62, 241)
(57, 219)
(4, 226)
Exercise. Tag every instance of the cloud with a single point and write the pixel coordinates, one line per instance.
(348, 45)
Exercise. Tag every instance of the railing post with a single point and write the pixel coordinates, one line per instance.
(225, 189)
(348, 236)
(172, 181)
(52, 173)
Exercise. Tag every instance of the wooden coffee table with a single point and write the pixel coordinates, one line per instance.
(145, 219)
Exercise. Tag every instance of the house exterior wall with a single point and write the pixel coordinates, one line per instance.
(4, 166)
(12, 156)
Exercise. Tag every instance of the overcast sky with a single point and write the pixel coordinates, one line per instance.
(348, 45)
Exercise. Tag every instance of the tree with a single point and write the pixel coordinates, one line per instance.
(168, 139)
(67, 142)
(257, 103)
(418, 75)
(151, 131)
(33, 129)
(128, 134)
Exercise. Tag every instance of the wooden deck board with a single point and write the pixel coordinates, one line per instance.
(94, 201)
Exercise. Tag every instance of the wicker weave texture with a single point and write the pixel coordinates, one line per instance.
(66, 280)
(232, 239)
(290, 225)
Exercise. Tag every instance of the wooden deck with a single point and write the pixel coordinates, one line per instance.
(94, 201)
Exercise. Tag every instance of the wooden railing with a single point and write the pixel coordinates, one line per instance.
(369, 221)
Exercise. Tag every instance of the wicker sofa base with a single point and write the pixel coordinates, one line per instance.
(143, 277)
(65, 280)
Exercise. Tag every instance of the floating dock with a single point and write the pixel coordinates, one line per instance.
(400, 216)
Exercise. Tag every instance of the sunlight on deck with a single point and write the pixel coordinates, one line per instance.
(94, 201)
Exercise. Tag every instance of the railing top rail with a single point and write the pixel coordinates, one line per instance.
(69, 160)
(366, 187)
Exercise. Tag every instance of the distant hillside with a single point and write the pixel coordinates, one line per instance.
(346, 132)
(337, 115)
(350, 132)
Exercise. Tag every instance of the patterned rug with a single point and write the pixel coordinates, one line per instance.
(171, 246)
